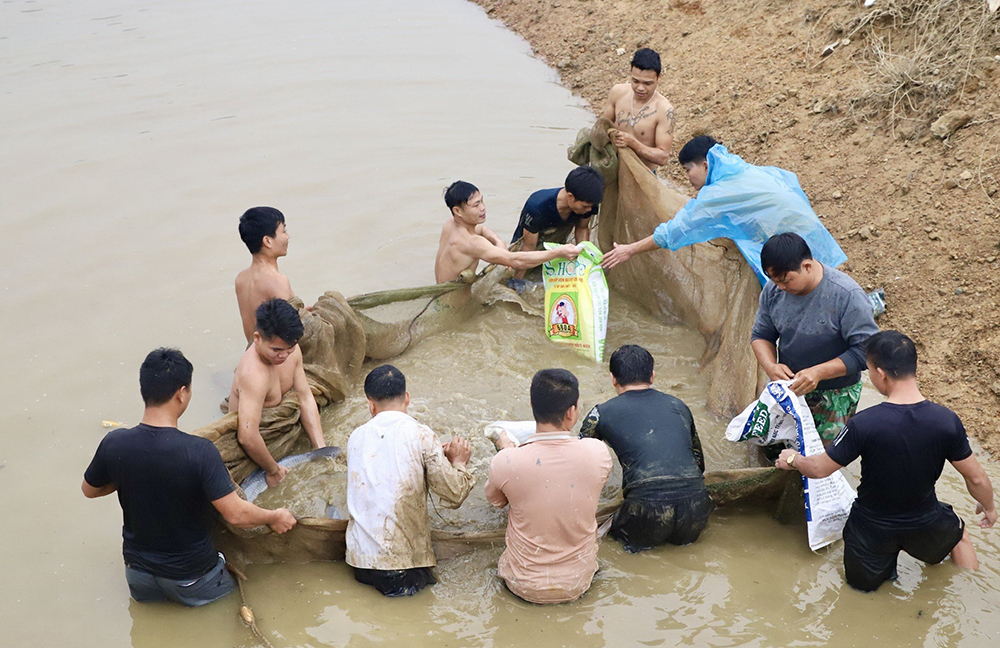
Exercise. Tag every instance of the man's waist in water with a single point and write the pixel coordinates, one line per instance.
(660, 486)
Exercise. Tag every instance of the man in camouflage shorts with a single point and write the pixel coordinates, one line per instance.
(811, 328)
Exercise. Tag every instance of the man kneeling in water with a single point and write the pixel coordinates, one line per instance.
(392, 462)
(465, 239)
(553, 483)
(662, 462)
(271, 367)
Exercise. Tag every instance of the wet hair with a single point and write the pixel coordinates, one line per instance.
(553, 392)
(258, 222)
(696, 150)
(162, 373)
(276, 317)
(784, 253)
(632, 365)
(385, 383)
(647, 59)
(458, 193)
(893, 353)
(586, 184)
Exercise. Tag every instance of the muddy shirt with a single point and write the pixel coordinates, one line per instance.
(553, 484)
(833, 321)
(392, 461)
(903, 449)
(541, 213)
(166, 481)
(654, 436)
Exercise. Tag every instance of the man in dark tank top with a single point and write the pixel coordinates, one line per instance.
(654, 436)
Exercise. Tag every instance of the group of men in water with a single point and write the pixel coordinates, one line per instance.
(814, 327)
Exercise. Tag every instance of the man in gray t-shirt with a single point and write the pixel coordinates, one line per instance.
(811, 328)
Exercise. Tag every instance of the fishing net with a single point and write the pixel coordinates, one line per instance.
(707, 286)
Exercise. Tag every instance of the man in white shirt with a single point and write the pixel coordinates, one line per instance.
(392, 463)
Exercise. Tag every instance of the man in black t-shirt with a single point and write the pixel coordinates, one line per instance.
(654, 436)
(165, 480)
(549, 214)
(903, 444)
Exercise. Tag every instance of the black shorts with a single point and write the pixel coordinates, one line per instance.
(397, 582)
(677, 518)
(871, 546)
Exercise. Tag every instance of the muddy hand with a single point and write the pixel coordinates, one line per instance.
(458, 451)
(619, 254)
(989, 517)
(569, 251)
(283, 521)
(273, 479)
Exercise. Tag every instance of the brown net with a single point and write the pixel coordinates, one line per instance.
(707, 286)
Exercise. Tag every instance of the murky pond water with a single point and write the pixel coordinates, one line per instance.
(134, 136)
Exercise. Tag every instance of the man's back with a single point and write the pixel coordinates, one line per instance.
(553, 485)
(392, 461)
(165, 480)
(654, 437)
(903, 449)
(254, 286)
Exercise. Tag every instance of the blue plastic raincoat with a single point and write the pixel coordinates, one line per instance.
(748, 204)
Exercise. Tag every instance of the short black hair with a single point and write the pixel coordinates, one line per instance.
(632, 365)
(586, 184)
(276, 317)
(784, 253)
(258, 222)
(162, 373)
(553, 392)
(647, 59)
(893, 353)
(696, 150)
(385, 383)
(458, 193)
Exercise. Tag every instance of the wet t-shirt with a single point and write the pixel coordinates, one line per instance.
(654, 436)
(392, 462)
(553, 484)
(903, 449)
(166, 481)
(541, 213)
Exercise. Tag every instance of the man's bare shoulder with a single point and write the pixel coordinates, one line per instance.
(619, 91)
(664, 108)
(251, 370)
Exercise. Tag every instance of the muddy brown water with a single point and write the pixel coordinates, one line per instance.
(136, 133)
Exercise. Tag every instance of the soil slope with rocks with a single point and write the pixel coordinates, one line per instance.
(846, 98)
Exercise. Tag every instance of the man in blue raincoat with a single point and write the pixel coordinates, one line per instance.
(739, 201)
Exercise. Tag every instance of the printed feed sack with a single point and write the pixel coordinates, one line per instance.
(576, 301)
(781, 416)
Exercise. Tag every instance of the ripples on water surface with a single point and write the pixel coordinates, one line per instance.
(136, 133)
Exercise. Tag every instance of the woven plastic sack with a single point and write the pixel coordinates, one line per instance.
(576, 301)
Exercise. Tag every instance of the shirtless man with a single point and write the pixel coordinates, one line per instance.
(644, 118)
(264, 232)
(269, 369)
(465, 240)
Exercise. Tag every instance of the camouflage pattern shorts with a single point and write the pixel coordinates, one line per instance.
(831, 408)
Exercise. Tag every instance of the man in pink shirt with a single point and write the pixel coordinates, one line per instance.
(553, 483)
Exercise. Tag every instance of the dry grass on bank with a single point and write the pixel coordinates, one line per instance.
(919, 54)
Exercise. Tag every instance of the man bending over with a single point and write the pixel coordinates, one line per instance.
(811, 327)
(553, 483)
(644, 117)
(653, 435)
(268, 370)
(165, 480)
(903, 444)
(550, 214)
(264, 232)
(392, 463)
(465, 239)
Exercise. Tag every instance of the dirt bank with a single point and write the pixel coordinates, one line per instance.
(916, 214)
